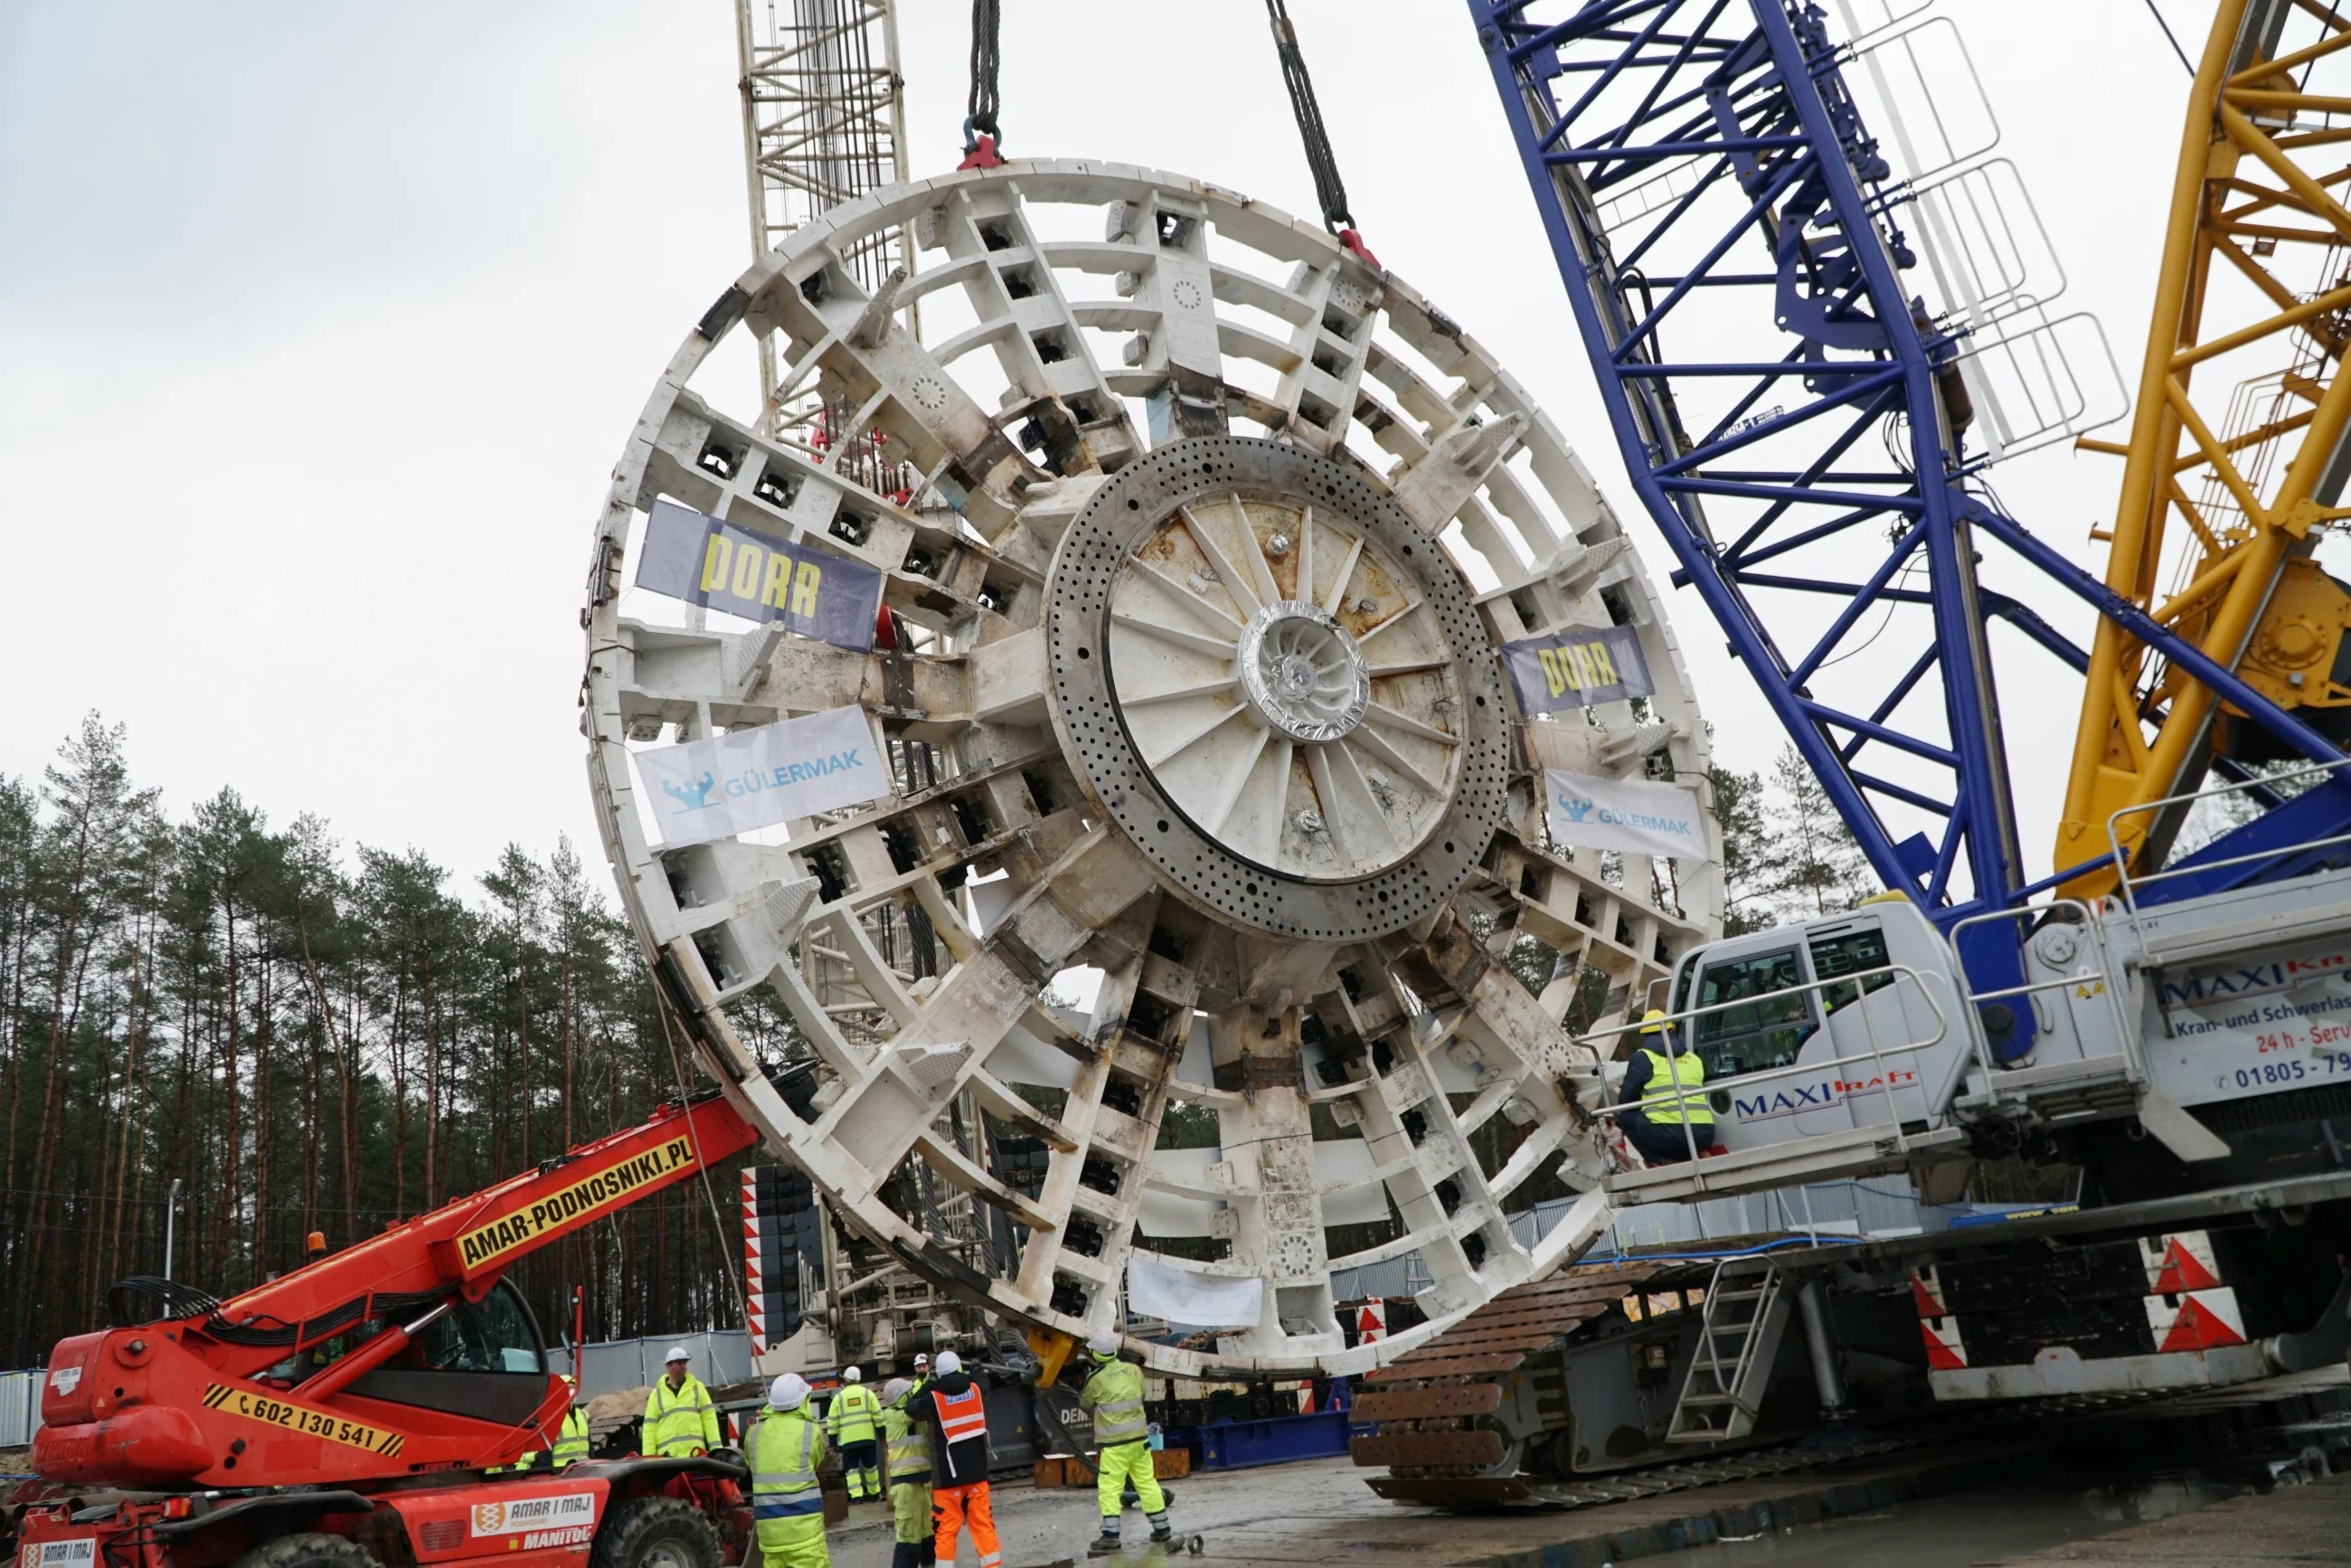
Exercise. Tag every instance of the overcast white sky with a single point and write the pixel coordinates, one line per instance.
(320, 327)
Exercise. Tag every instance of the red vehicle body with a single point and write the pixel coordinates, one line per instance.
(346, 1414)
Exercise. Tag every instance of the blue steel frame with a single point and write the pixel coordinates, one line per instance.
(1807, 363)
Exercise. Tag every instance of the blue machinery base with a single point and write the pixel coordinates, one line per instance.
(1270, 1440)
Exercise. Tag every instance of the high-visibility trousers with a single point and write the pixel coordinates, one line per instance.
(795, 1543)
(1118, 1467)
(911, 1528)
(861, 1468)
(955, 1507)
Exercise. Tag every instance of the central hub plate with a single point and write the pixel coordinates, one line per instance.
(1278, 684)
(1303, 675)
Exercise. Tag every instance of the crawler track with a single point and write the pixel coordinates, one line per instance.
(1431, 1403)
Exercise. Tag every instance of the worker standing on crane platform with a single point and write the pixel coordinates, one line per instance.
(679, 1420)
(1667, 1092)
(907, 1450)
(787, 1444)
(955, 1408)
(851, 1420)
(1122, 1433)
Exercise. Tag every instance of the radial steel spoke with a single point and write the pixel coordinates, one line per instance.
(1380, 712)
(1347, 799)
(1225, 649)
(1187, 597)
(1238, 782)
(1235, 583)
(1283, 750)
(1206, 688)
(1260, 570)
(1199, 734)
(1346, 570)
(1371, 741)
(1305, 594)
(1411, 604)
(1408, 667)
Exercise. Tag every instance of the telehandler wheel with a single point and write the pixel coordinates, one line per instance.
(656, 1532)
(310, 1550)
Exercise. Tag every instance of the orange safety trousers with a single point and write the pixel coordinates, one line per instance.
(952, 1508)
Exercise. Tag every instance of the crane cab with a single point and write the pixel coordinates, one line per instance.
(1847, 1021)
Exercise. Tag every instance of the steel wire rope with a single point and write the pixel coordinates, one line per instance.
(2172, 38)
(987, 69)
(1330, 190)
(701, 1167)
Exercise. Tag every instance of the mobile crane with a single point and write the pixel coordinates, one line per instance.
(1734, 239)
(353, 1411)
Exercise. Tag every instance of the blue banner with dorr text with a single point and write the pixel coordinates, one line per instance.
(706, 561)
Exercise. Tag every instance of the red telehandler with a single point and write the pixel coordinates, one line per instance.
(350, 1414)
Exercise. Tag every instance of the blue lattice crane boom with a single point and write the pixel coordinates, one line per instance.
(1793, 414)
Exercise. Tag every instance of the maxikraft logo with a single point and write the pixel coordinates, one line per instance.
(696, 797)
(1793, 1098)
(1577, 807)
(2256, 979)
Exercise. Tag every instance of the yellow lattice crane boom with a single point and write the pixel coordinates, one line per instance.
(2236, 460)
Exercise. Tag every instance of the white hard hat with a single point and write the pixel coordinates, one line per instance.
(922, 1358)
(676, 1352)
(1104, 1344)
(850, 1374)
(788, 1392)
(895, 1390)
(949, 1361)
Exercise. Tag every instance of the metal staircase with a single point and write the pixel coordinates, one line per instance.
(1738, 1340)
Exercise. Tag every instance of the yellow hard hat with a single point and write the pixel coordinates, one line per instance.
(1653, 1021)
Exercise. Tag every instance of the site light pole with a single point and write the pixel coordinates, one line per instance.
(171, 1214)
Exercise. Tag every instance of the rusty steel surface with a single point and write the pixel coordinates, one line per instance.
(1428, 1448)
(1424, 1403)
(1437, 1406)
(1498, 1336)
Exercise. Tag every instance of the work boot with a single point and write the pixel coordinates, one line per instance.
(1160, 1533)
(1103, 1545)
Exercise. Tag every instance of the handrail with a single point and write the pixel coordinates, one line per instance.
(1877, 1053)
(2094, 942)
(2125, 881)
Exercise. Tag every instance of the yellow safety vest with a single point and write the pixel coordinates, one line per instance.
(1114, 1394)
(852, 1416)
(906, 1447)
(785, 1445)
(572, 1445)
(1662, 1107)
(679, 1420)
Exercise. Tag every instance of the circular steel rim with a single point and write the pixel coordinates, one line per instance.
(1095, 735)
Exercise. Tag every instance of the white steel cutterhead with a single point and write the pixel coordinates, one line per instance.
(1193, 538)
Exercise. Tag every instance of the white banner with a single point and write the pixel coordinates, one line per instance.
(1201, 1301)
(1628, 814)
(708, 790)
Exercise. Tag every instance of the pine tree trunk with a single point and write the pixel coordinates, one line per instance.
(431, 1094)
(232, 1149)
